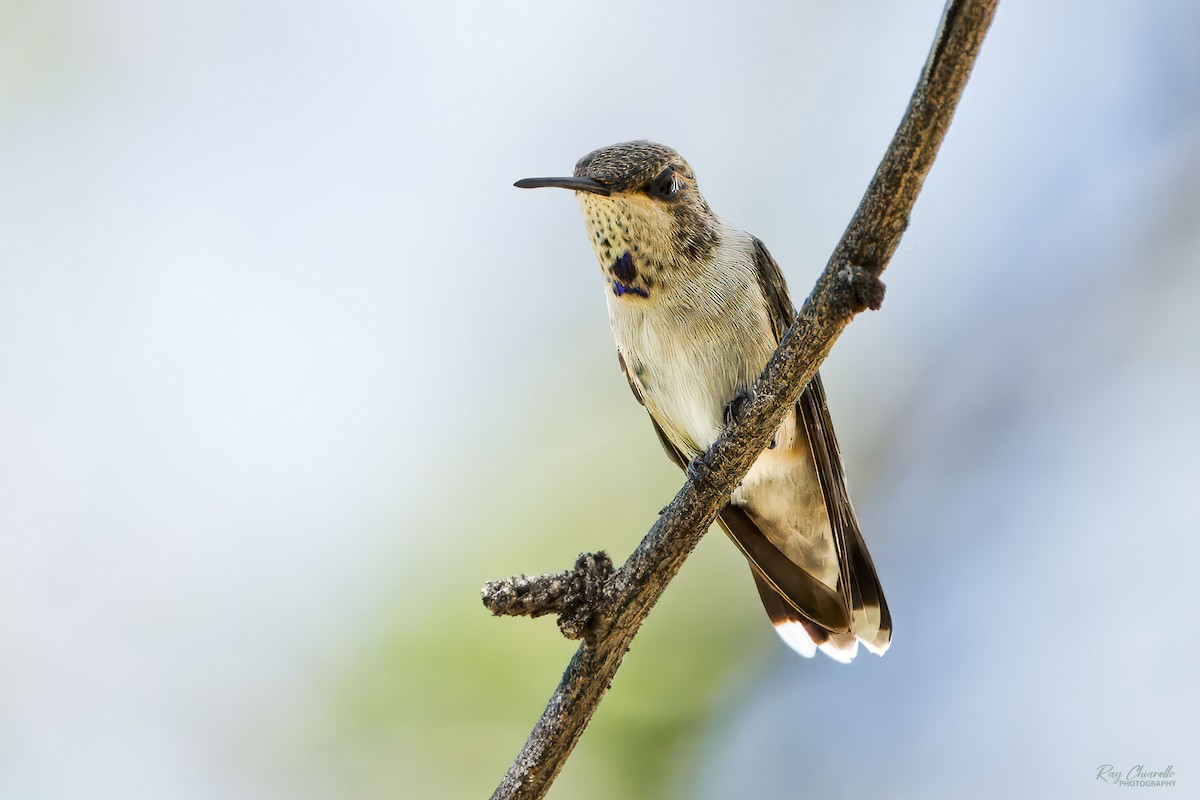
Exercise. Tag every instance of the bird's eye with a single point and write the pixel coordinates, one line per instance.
(664, 185)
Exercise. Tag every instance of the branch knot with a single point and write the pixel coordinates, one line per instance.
(860, 288)
(575, 595)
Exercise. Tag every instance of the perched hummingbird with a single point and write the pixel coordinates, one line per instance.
(697, 307)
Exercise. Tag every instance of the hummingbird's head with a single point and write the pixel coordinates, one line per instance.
(647, 220)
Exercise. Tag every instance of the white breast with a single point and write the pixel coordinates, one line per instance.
(696, 341)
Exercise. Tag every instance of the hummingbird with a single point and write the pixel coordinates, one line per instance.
(697, 307)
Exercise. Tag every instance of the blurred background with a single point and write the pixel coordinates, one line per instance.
(288, 369)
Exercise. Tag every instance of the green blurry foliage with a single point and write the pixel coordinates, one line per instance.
(442, 695)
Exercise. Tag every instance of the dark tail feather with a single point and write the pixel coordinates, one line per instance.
(801, 634)
(806, 613)
(811, 598)
(871, 619)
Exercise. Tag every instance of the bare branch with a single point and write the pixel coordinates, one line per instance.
(849, 284)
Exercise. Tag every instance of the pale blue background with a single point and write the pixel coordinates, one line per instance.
(287, 369)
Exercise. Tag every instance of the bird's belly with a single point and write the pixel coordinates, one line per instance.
(688, 374)
(688, 401)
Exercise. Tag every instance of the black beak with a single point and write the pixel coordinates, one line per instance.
(574, 184)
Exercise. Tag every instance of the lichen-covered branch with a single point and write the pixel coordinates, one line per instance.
(574, 596)
(849, 284)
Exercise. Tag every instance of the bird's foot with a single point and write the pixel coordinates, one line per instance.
(697, 470)
(735, 409)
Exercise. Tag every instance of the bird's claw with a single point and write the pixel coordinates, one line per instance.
(735, 409)
(697, 470)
